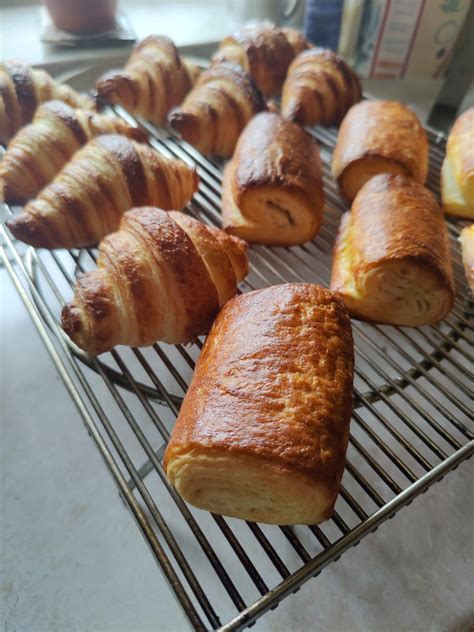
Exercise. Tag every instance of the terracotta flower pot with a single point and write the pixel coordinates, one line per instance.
(82, 16)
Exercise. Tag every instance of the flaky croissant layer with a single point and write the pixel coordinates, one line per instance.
(23, 89)
(319, 88)
(264, 51)
(162, 276)
(215, 112)
(154, 80)
(39, 151)
(105, 178)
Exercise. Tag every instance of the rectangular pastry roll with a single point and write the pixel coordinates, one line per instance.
(457, 172)
(391, 258)
(273, 189)
(378, 137)
(263, 430)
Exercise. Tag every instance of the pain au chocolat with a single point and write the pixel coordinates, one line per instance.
(378, 137)
(391, 259)
(263, 429)
(272, 188)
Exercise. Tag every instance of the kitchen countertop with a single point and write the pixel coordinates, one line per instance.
(72, 557)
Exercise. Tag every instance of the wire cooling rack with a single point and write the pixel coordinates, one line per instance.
(410, 425)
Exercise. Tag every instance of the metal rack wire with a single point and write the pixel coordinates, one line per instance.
(410, 426)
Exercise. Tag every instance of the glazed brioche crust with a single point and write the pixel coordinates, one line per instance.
(215, 112)
(394, 235)
(272, 190)
(270, 399)
(154, 80)
(23, 89)
(39, 151)
(105, 178)
(457, 174)
(319, 88)
(265, 51)
(162, 276)
(384, 135)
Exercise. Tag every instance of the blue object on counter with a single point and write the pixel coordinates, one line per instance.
(322, 22)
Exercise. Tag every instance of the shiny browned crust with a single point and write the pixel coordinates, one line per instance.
(274, 155)
(276, 152)
(217, 109)
(267, 51)
(154, 80)
(105, 178)
(158, 278)
(337, 88)
(380, 130)
(392, 219)
(273, 386)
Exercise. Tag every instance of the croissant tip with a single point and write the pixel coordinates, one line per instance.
(184, 124)
(9, 195)
(70, 320)
(24, 227)
(138, 134)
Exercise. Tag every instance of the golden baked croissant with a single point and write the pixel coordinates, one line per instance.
(105, 178)
(378, 137)
(154, 80)
(264, 51)
(39, 151)
(467, 247)
(391, 259)
(217, 109)
(272, 188)
(162, 276)
(23, 89)
(319, 88)
(457, 173)
(263, 429)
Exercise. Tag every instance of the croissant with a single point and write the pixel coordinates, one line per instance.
(23, 89)
(272, 188)
(162, 276)
(154, 80)
(263, 429)
(391, 259)
(378, 137)
(214, 113)
(467, 246)
(264, 51)
(39, 151)
(457, 172)
(105, 178)
(319, 88)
